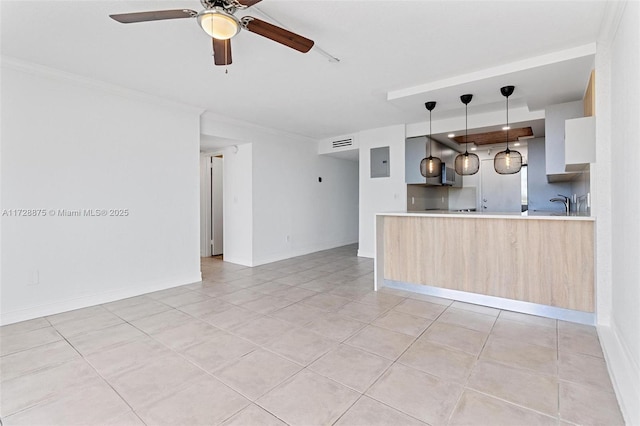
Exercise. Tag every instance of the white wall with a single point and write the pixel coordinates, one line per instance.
(380, 194)
(272, 192)
(70, 143)
(238, 209)
(297, 214)
(616, 179)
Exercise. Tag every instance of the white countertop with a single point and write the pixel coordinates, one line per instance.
(544, 215)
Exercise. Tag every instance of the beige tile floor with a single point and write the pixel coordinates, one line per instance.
(303, 341)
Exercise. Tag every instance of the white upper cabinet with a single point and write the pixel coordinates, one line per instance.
(555, 117)
(415, 151)
(579, 143)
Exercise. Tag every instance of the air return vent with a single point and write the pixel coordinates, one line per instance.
(342, 143)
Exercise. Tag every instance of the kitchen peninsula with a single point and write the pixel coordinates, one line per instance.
(537, 263)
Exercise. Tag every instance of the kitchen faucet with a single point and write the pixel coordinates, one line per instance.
(565, 200)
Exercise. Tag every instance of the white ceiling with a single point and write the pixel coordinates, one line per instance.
(394, 55)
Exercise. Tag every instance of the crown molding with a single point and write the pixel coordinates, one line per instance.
(210, 124)
(91, 83)
(614, 10)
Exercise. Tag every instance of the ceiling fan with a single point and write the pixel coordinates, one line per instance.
(218, 21)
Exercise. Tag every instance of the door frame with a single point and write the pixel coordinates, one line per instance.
(206, 214)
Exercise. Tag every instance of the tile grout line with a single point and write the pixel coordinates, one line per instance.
(395, 361)
(523, 369)
(515, 404)
(103, 378)
(230, 332)
(162, 344)
(475, 363)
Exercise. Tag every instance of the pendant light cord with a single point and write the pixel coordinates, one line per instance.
(429, 133)
(466, 129)
(507, 124)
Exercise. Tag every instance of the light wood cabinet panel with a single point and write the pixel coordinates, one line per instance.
(539, 235)
(590, 96)
(549, 262)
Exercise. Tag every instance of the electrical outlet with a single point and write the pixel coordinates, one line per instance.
(287, 238)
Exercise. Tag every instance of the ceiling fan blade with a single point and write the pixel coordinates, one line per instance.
(248, 3)
(277, 34)
(155, 15)
(221, 51)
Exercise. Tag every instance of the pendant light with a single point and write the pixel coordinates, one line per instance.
(507, 162)
(466, 164)
(430, 166)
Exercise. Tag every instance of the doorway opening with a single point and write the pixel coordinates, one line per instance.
(212, 208)
(500, 193)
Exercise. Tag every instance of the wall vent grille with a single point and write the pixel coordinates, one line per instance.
(342, 143)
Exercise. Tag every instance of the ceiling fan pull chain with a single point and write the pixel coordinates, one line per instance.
(226, 56)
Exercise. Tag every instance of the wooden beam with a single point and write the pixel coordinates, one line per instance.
(499, 136)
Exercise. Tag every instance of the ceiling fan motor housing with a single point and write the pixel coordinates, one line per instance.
(229, 6)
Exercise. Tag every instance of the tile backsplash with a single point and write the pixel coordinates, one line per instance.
(421, 197)
(581, 187)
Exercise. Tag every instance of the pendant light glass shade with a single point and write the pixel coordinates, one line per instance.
(430, 166)
(468, 163)
(507, 162)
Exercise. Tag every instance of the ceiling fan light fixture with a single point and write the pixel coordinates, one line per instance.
(219, 24)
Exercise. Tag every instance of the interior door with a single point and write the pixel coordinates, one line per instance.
(499, 193)
(217, 225)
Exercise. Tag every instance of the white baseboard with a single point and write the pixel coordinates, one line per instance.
(237, 261)
(624, 372)
(366, 254)
(299, 252)
(85, 301)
